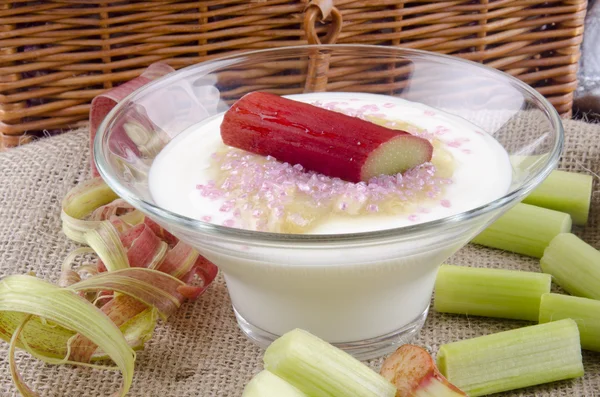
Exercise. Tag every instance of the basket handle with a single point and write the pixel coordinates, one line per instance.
(318, 64)
(322, 9)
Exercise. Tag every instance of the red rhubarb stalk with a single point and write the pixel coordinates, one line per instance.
(321, 140)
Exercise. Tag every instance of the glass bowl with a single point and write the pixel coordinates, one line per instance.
(365, 292)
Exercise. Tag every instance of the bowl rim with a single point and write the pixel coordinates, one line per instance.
(257, 237)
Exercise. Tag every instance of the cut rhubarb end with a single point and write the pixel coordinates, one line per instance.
(397, 155)
(414, 373)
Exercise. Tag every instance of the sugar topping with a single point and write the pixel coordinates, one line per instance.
(266, 194)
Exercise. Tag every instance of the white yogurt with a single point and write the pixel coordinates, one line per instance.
(352, 293)
(482, 172)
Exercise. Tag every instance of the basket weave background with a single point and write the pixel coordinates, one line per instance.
(55, 56)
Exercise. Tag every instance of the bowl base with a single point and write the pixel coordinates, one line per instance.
(362, 350)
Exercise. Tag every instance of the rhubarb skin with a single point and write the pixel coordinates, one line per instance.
(414, 373)
(321, 140)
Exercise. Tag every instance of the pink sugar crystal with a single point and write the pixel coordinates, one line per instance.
(429, 113)
(440, 130)
(388, 105)
(206, 218)
(446, 203)
(229, 223)
(373, 208)
(227, 206)
(413, 218)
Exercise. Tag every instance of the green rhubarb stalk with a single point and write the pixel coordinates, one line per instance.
(490, 292)
(585, 312)
(513, 359)
(525, 229)
(566, 192)
(319, 369)
(267, 384)
(574, 265)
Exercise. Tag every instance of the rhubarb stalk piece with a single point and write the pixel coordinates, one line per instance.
(585, 312)
(490, 292)
(266, 384)
(412, 370)
(513, 359)
(525, 229)
(320, 140)
(574, 265)
(563, 191)
(319, 369)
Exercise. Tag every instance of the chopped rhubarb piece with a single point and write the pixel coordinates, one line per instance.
(414, 373)
(321, 140)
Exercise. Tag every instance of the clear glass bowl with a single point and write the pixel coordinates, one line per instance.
(365, 292)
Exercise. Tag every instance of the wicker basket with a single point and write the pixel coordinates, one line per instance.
(57, 55)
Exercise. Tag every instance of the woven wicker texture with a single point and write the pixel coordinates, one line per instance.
(200, 351)
(55, 56)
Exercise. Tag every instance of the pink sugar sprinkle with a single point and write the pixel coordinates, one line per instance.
(446, 203)
(257, 213)
(429, 113)
(226, 207)
(229, 223)
(454, 144)
(388, 105)
(440, 130)
(206, 218)
(413, 218)
(479, 132)
(466, 151)
(373, 208)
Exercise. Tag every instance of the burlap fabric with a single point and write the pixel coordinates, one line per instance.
(200, 351)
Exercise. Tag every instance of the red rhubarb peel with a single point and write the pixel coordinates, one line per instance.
(414, 373)
(103, 103)
(320, 140)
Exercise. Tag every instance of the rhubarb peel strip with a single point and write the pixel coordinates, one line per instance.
(104, 310)
(151, 287)
(104, 103)
(79, 203)
(65, 309)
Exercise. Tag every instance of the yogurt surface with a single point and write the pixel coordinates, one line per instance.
(193, 176)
